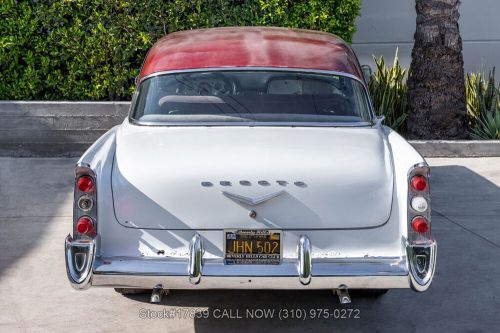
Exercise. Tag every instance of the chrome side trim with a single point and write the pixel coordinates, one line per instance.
(195, 259)
(79, 256)
(421, 264)
(304, 260)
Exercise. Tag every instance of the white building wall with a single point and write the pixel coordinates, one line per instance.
(387, 24)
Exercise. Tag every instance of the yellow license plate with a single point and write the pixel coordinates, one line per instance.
(250, 247)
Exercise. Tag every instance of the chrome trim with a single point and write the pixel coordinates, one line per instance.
(421, 273)
(252, 68)
(421, 252)
(254, 123)
(378, 121)
(84, 169)
(249, 68)
(195, 259)
(252, 201)
(254, 282)
(85, 197)
(371, 273)
(304, 260)
(79, 257)
(419, 168)
(377, 266)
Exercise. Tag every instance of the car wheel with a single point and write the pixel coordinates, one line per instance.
(130, 291)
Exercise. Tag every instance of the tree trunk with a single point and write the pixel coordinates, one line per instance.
(437, 83)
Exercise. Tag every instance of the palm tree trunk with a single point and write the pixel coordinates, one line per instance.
(437, 84)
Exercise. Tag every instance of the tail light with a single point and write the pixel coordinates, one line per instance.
(85, 225)
(418, 183)
(85, 184)
(420, 225)
(419, 212)
(420, 246)
(84, 206)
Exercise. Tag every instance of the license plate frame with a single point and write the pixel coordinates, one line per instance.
(260, 254)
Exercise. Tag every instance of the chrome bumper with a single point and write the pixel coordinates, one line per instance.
(79, 255)
(84, 268)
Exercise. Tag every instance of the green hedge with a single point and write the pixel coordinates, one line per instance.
(93, 49)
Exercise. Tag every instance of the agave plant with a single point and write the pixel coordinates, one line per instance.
(483, 106)
(389, 93)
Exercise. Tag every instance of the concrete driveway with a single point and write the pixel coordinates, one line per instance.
(35, 216)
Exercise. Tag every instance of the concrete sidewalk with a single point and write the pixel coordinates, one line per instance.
(35, 216)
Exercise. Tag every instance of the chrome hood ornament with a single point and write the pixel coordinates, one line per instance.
(252, 201)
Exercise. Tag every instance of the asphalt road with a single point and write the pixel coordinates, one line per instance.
(35, 216)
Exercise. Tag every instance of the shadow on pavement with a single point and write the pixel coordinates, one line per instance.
(283, 310)
(34, 193)
(463, 295)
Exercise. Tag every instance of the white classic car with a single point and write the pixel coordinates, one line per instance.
(251, 158)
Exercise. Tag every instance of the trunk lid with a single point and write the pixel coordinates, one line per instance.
(213, 177)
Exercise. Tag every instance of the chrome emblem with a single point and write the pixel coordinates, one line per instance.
(252, 201)
(227, 183)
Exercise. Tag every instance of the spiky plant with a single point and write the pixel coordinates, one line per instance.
(483, 106)
(389, 93)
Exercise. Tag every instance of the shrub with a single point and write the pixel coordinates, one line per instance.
(93, 49)
(483, 106)
(389, 93)
(390, 97)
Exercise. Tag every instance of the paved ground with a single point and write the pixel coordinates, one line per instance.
(35, 215)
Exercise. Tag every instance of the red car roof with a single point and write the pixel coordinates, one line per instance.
(251, 47)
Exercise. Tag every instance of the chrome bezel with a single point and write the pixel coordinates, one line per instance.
(84, 169)
(412, 236)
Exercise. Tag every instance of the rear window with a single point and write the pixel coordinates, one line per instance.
(251, 97)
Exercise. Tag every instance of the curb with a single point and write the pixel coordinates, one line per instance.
(458, 148)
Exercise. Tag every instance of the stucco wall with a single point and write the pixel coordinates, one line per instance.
(387, 24)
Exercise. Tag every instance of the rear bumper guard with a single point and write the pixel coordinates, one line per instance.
(84, 269)
(421, 264)
(79, 255)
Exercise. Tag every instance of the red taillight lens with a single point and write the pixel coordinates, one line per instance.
(85, 184)
(84, 225)
(418, 183)
(420, 224)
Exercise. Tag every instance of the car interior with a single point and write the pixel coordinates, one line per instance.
(251, 96)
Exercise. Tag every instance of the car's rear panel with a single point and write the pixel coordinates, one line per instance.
(191, 177)
(380, 256)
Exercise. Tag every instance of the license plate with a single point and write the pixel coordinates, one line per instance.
(252, 247)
